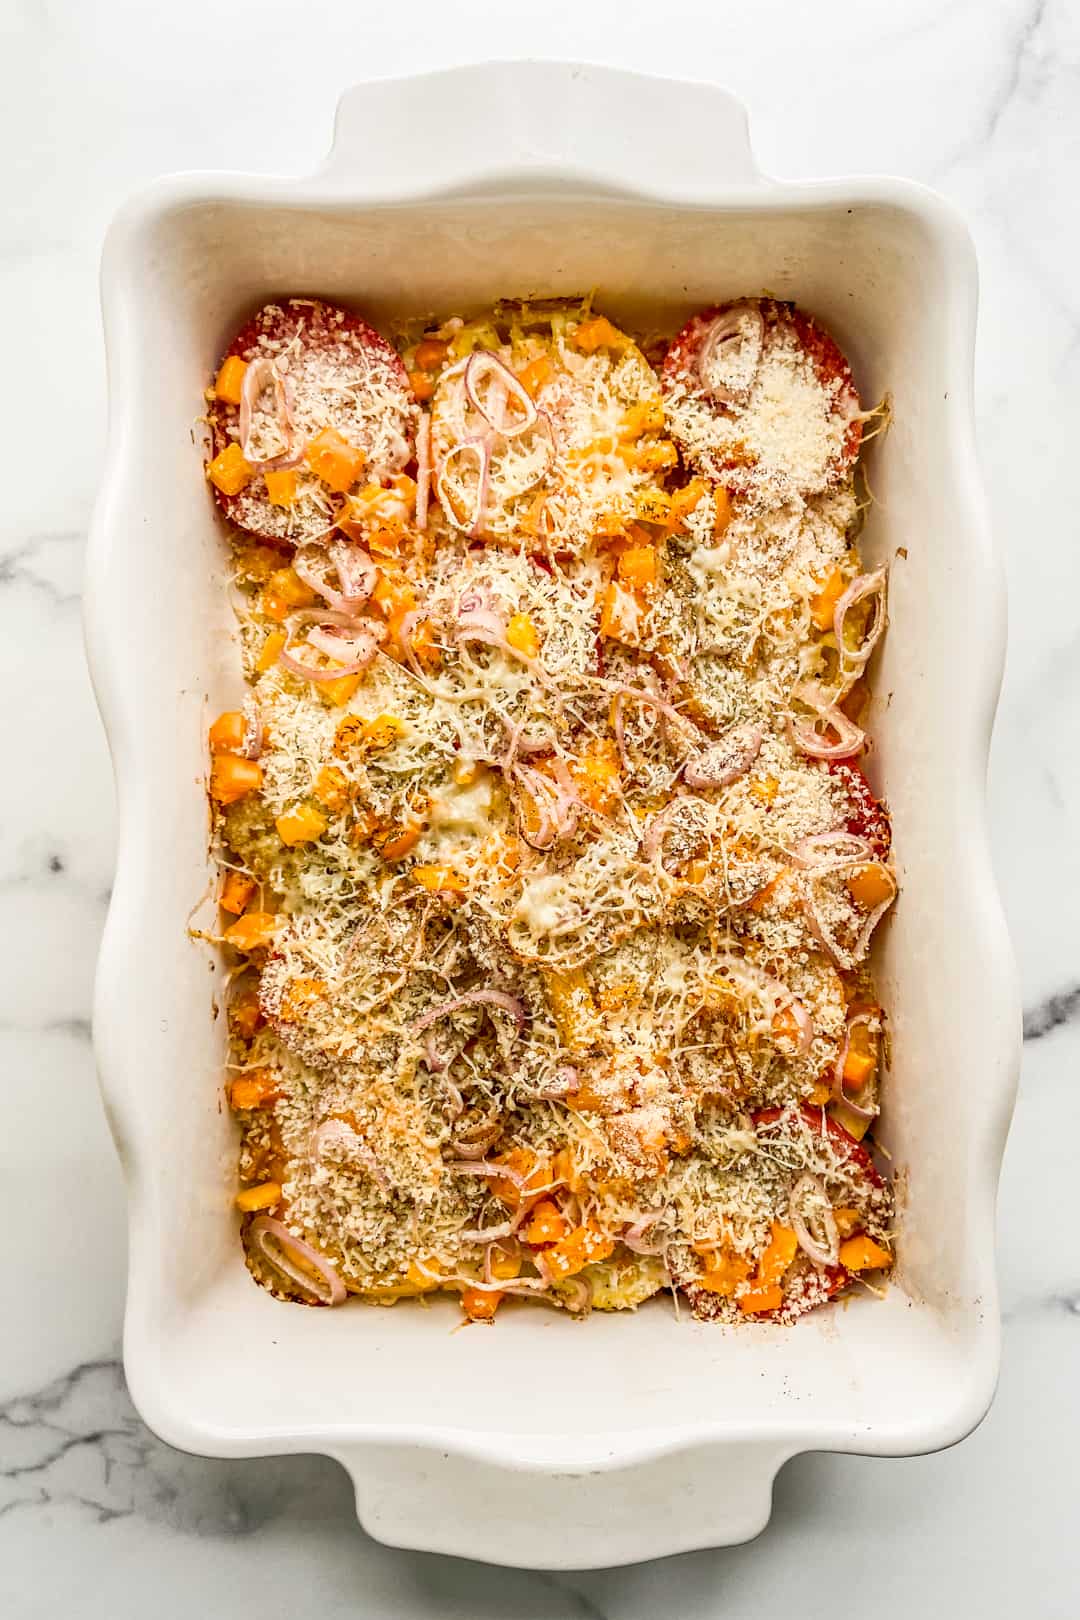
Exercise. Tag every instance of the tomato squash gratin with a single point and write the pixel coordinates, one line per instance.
(548, 869)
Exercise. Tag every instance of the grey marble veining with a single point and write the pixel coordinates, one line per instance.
(980, 98)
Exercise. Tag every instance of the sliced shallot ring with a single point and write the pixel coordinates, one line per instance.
(473, 521)
(316, 582)
(542, 837)
(838, 1092)
(723, 327)
(862, 586)
(783, 999)
(259, 373)
(817, 1252)
(576, 1294)
(831, 852)
(508, 1246)
(643, 695)
(274, 1242)
(479, 365)
(564, 1082)
(653, 842)
(475, 614)
(635, 1240)
(850, 739)
(360, 646)
(845, 959)
(555, 804)
(474, 1142)
(308, 672)
(356, 571)
(365, 638)
(484, 998)
(725, 761)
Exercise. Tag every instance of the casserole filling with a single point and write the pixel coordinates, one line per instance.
(548, 871)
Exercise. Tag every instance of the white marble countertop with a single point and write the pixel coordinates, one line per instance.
(980, 98)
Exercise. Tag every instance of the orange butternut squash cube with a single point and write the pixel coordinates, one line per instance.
(534, 1174)
(227, 733)
(251, 932)
(233, 777)
(396, 842)
(538, 372)
(272, 649)
(431, 353)
(298, 998)
(439, 879)
(229, 472)
(563, 1169)
(856, 1124)
(505, 1261)
(545, 1225)
(722, 510)
(480, 1304)
(331, 787)
(422, 384)
(863, 1254)
(522, 636)
(255, 1089)
(637, 567)
(871, 886)
(621, 615)
(647, 416)
(264, 1196)
(245, 1015)
(419, 1281)
(281, 486)
(823, 605)
(781, 1250)
(300, 826)
(380, 733)
(596, 775)
(334, 460)
(785, 1027)
(230, 379)
(858, 1068)
(236, 890)
(598, 333)
(578, 1249)
(649, 457)
(761, 1299)
(724, 1270)
(340, 691)
(287, 584)
(572, 1007)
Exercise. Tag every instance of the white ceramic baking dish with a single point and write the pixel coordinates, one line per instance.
(544, 1442)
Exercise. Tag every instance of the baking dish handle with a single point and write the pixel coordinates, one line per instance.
(473, 126)
(528, 1516)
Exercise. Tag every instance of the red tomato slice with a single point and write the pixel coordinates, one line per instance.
(867, 817)
(834, 1277)
(840, 1138)
(355, 351)
(742, 466)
